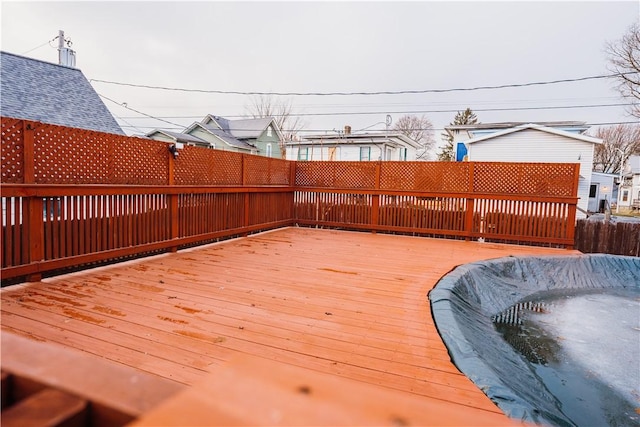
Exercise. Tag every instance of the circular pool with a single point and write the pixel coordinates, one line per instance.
(551, 340)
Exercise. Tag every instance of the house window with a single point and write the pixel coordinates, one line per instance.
(303, 153)
(388, 157)
(269, 149)
(269, 131)
(403, 154)
(593, 190)
(365, 154)
(625, 195)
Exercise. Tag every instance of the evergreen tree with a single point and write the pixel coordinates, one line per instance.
(447, 152)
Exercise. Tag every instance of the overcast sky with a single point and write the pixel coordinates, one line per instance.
(335, 47)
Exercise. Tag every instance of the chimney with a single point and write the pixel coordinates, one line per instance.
(66, 56)
(347, 130)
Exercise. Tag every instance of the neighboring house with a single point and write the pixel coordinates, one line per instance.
(603, 191)
(173, 137)
(462, 133)
(253, 136)
(50, 93)
(629, 192)
(346, 146)
(534, 143)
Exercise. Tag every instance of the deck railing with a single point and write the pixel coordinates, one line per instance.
(517, 202)
(73, 197)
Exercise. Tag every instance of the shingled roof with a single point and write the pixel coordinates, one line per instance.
(50, 93)
(242, 128)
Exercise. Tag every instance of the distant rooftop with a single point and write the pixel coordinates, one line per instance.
(51, 93)
(507, 125)
(241, 128)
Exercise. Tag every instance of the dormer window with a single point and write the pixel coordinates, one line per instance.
(269, 131)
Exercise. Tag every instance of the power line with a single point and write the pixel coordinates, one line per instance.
(345, 113)
(39, 46)
(124, 105)
(400, 92)
(330, 131)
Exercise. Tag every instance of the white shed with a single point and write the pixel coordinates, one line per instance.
(536, 143)
(603, 191)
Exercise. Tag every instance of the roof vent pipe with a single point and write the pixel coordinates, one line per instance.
(347, 130)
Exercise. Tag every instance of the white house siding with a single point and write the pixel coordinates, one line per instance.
(161, 137)
(348, 153)
(532, 145)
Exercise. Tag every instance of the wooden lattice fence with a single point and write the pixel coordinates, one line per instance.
(517, 202)
(74, 197)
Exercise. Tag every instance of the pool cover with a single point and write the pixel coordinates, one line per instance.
(466, 303)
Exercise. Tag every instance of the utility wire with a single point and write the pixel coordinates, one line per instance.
(349, 113)
(331, 131)
(38, 47)
(124, 105)
(399, 92)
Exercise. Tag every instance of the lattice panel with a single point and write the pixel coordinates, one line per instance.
(424, 176)
(75, 156)
(546, 179)
(496, 178)
(266, 171)
(336, 174)
(536, 179)
(138, 161)
(12, 151)
(203, 166)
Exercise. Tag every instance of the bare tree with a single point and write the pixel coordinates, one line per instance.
(420, 129)
(624, 60)
(619, 142)
(281, 111)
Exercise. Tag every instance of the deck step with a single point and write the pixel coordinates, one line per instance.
(47, 408)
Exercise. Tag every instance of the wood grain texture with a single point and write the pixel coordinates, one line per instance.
(346, 304)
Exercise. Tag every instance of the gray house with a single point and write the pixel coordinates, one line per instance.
(50, 93)
(253, 136)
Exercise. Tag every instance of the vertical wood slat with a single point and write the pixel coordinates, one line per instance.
(8, 225)
(57, 228)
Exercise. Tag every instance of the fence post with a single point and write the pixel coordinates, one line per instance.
(375, 199)
(172, 200)
(292, 184)
(34, 222)
(468, 220)
(246, 193)
(571, 216)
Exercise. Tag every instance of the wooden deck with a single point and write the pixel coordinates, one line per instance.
(342, 304)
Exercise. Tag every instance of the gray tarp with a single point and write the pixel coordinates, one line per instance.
(464, 302)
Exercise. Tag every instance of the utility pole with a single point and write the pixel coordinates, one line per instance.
(620, 180)
(66, 56)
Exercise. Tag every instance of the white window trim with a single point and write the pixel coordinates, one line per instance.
(306, 153)
(368, 157)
